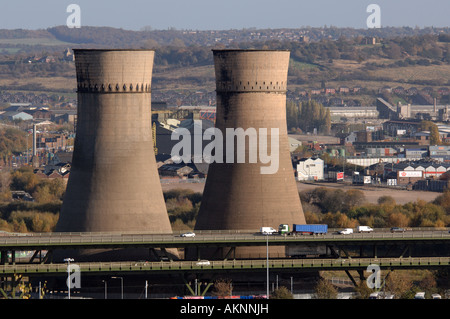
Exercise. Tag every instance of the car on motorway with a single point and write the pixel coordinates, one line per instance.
(188, 234)
(397, 230)
(203, 263)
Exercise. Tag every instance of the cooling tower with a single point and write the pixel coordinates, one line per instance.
(251, 94)
(114, 184)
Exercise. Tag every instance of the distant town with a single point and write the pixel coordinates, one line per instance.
(380, 131)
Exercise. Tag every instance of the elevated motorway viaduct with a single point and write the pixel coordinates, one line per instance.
(412, 243)
(306, 264)
(414, 249)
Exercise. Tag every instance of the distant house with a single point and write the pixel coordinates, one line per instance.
(304, 39)
(39, 114)
(329, 90)
(386, 89)
(412, 91)
(443, 91)
(344, 89)
(356, 89)
(48, 59)
(315, 91)
(64, 117)
(175, 170)
(399, 90)
(369, 40)
(56, 142)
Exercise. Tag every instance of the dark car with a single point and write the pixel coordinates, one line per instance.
(397, 230)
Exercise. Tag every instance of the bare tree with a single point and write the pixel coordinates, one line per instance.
(325, 290)
(222, 287)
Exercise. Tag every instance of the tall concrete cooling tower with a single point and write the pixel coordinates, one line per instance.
(114, 184)
(251, 93)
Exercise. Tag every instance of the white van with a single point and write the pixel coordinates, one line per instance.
(361, 229)
(268, 230)
(419, 295)
(375, 295)
(346, 231)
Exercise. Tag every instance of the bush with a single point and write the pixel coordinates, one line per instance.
(182, 206)
(32, 221)
(281, 293)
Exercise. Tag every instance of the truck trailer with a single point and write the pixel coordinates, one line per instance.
(312, 229)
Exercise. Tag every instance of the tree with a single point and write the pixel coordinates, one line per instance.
(399, 284)
(434, 131)
(24, 179)
(11, 141)
(443, 200)
(307, 116)
(363, 290)
(393, 51)
(5, 181)
(327, 125)
(428, 282)
(398, 220)
(353, 198)
(292, 114)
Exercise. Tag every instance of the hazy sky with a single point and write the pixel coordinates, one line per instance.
(224, 14)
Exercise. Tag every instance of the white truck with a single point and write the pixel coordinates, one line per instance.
(361, 229)
(268, 230)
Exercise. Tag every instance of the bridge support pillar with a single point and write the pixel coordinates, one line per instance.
(197, 289)
(4, 257)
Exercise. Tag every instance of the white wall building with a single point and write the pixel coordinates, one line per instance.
(310, 169)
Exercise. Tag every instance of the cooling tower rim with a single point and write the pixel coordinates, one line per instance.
(250, 50)
(113, 50)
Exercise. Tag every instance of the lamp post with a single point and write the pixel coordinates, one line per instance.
(267, 263)
(121, 285)
(106, 289)
(68, 260)
(146, 287)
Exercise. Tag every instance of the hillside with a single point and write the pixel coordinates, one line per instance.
(320, 58)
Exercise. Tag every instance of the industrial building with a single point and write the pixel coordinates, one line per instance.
(310, 169)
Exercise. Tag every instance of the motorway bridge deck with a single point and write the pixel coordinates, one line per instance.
(229, 266)
(49, 241)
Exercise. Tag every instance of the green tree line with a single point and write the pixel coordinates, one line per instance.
(335, 207)
(339, 209)
(307, 116)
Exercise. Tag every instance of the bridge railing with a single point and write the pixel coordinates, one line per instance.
(227, 264)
